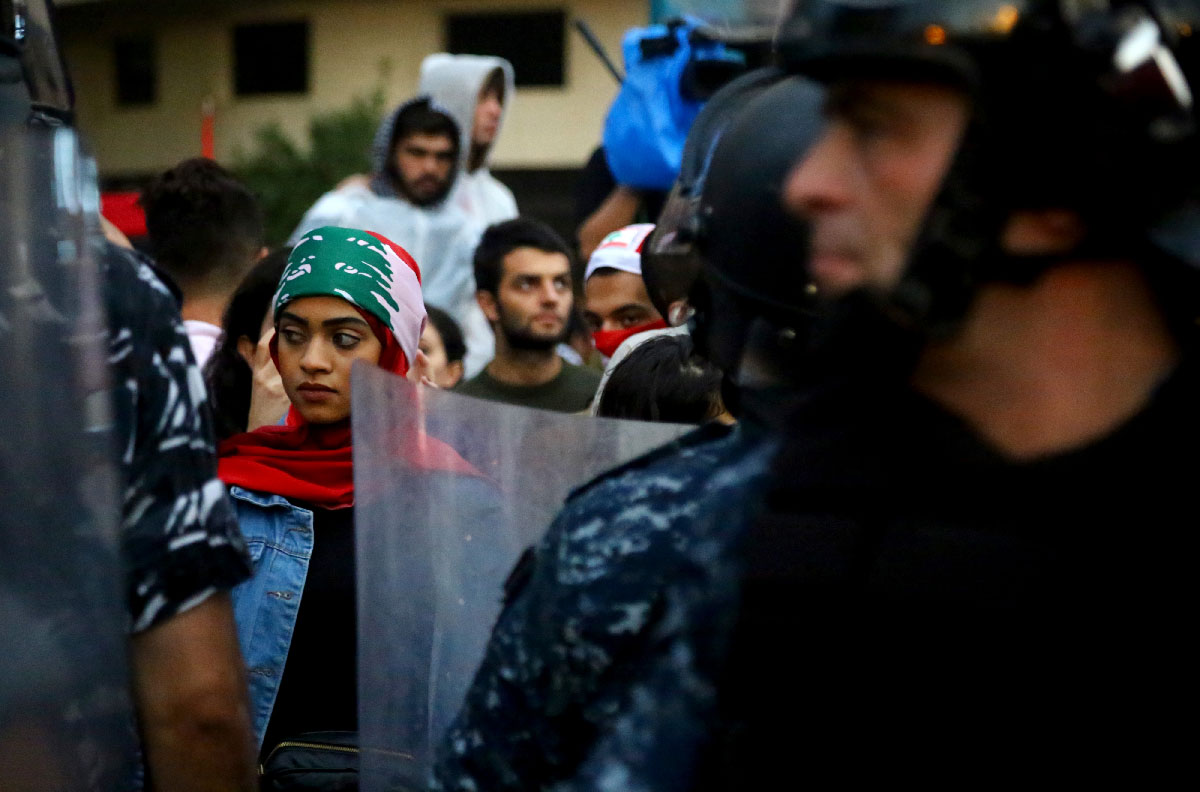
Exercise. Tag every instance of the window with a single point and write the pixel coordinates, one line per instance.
(270, 58)
(534, 43)
(137, 73)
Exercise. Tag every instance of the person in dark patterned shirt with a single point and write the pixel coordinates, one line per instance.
(180, 543)
(978, 549)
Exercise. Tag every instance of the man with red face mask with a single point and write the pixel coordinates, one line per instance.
(617, 306)
(616, 303)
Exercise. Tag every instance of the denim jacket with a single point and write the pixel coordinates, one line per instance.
(280, 538)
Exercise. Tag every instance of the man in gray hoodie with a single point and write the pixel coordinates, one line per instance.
(408, 199)
(476, 90)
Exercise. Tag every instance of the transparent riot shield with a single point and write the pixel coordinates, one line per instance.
(449, 491)
(65, 722)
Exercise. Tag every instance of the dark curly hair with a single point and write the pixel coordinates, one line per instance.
(203, 223)
(227, 375)
(503, 238)
(662, 380)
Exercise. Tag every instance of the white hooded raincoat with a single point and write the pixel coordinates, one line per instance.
(454, 82)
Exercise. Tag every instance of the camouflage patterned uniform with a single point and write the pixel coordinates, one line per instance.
(589, 611)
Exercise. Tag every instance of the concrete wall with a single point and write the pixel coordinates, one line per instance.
(356, 46)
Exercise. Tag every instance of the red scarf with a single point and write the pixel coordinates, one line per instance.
(314, 463)
(607, 341)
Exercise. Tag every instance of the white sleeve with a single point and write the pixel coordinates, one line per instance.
(500, 202)
(453, 289)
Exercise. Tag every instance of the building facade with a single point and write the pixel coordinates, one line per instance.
(146, 73)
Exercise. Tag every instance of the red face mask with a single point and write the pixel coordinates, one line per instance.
(607, 341)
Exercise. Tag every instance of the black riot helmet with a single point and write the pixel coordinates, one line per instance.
(671, 258)
(1084, 105)
(755, 284)
(723, 240)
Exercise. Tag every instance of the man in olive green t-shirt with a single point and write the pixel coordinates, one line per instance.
(523, 282)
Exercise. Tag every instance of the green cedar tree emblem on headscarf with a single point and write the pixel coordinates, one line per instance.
(364, 270)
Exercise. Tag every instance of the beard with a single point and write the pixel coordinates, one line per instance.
(522, 336)
(424, 192)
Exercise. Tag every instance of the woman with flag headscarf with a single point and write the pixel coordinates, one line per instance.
(346, 295)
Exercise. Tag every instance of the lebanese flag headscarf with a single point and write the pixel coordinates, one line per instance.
(313, 462)
(622, 251)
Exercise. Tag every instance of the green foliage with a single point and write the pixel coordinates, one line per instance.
(288, 179)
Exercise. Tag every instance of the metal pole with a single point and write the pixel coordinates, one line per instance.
(585, 30)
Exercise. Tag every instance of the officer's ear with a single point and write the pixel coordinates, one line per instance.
(1043, 232)
(487, 304)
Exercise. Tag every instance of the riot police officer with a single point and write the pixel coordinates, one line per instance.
(971, 565)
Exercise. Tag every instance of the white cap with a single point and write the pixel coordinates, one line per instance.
(621, 250)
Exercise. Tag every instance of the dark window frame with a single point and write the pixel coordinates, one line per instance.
(507, 34)
(135, 74)
(256, 74)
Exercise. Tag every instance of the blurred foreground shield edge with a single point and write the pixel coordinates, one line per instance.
(449, 491)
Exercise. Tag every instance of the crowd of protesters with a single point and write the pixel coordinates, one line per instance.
(422, 267)
(931, 518)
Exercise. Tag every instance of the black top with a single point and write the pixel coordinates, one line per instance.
(318, 691)
(918, 605)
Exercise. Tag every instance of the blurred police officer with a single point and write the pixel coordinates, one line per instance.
(973, 563)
